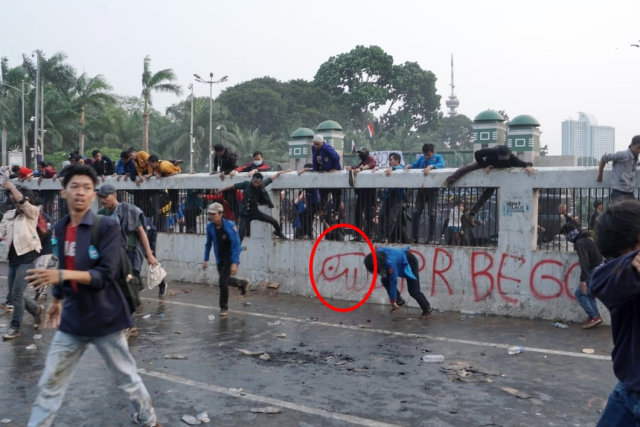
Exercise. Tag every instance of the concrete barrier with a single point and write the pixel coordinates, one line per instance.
(512, 279)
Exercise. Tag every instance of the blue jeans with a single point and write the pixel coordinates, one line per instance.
(588, 303)
(623, 408)
(62, 361)
(17, 285)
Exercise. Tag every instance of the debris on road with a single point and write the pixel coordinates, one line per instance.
(146, 316)
(6, 420)
(264, 356)
(266, 410)
(432, 358)
(273, 285)
(282, 336)
(37, 337)
(211, 317)
(31, 347)
(588, 351)
(559, 325)
(459, 370)
(515, 392)
(274, 323)
(191, 420)
(516, 349)
(175, 356)
(203, 417)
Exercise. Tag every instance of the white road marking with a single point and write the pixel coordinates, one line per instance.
(402, 334)
(266, 400)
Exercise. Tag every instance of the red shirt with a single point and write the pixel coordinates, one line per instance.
(70, 251)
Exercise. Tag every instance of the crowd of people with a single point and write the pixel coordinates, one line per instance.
(88, 305)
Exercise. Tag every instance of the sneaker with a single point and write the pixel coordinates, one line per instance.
(400, 301)
(162, 288)
(427, 315)
(224, 312)
(594, 321)
(38, 317)
(11, 334)
(8, 308)
(244, 287)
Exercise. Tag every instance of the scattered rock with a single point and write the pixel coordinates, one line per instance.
(458, 370)
(273, 285)
(191, 420)
(203, 417)
(515, 392)
(175, 356)
(264, 356)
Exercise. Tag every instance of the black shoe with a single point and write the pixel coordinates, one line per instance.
(244, 287)
(162, 288)
(400, 301)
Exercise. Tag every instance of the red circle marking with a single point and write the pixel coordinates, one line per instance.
(375, 267)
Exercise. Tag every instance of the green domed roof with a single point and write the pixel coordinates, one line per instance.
(302, 133)
(524, 120)
(328, 125)
(489, 116)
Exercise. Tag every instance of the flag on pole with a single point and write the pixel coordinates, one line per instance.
(353, 146)
(370, 129)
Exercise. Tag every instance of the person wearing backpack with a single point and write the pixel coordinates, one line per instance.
(132, 227)
(88, 305)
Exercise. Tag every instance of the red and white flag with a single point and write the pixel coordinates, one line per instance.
(353, 146)
(370, 129)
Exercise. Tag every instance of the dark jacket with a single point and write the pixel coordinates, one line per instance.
(587, 254)
(232, 232)
(99, 308)
(227, 162)
(617, 284)
(104, 166)
(500, 157)
(250, 193)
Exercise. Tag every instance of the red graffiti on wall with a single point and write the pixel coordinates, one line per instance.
(547, 278)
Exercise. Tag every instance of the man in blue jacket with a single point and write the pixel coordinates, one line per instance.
(394, 263)
(427, 162)
(95, 310)
(325, 159)
(224, 236)
(617, 284)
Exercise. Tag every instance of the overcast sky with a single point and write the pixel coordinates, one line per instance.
(546, 58)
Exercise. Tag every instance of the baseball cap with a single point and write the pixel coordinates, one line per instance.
(318, 138)
(215, 208)
(364, 150)
(106, 189)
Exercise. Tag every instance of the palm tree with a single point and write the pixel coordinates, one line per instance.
(160, 82)
(91, 91)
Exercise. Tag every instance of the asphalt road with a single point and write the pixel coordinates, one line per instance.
(325, 368)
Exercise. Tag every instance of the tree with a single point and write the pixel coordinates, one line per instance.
(158, 82)
(454, 132)
(90, 91)
(359, 79)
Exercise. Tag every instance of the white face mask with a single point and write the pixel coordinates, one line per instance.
(257, 162)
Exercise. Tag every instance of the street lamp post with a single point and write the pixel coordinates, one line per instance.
(24, 144)
(210, 82)
(191, 133)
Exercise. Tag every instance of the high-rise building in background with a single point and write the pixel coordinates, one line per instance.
(586, 140)
(452, 102)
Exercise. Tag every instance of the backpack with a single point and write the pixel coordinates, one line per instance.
(129, 283)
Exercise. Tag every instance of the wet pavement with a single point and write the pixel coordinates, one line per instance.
(325, 368)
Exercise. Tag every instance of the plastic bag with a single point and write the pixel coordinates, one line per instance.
(156, 276)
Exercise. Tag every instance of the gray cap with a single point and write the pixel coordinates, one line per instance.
(318, 138)
(215, 208)
(106, 189)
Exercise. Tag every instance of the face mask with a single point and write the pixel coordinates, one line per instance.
(257, 162)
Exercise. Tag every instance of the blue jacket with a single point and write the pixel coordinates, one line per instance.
(126, 169)
(325, 159)
(437, 161)
(99, 308)
(396, 265)
(236, 247)
(617, 284)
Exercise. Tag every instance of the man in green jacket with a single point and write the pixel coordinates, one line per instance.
(254, 195)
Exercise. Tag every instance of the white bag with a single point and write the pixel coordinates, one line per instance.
(156, 275)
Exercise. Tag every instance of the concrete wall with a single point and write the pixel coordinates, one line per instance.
(511, 279)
